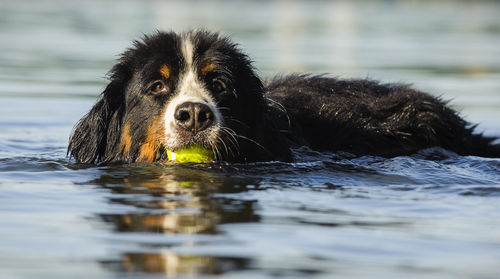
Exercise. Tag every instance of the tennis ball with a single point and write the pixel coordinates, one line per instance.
(191, 154)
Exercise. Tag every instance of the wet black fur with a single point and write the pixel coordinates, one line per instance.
(358, 116)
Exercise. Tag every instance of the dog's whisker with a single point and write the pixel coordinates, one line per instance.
(252, 141)
(218, 154)
(232, 138)
(237, 121)
(221, 142)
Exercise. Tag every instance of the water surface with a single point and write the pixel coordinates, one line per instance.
(433, 214)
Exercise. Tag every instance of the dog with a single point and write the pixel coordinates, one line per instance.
(172, 90)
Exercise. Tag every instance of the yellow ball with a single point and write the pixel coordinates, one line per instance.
(191, 154)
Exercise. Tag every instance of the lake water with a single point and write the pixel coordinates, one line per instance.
(430, 215)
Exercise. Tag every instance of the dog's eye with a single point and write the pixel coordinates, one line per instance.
(157, 87)
(218, 86)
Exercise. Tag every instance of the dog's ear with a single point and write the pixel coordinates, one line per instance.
(94, 137)
(90, 141)
(87, 143)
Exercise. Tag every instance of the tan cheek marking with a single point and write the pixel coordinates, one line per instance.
(154, 137)
(148, 149)
(207, 67)
(165, 71)
(126, 140)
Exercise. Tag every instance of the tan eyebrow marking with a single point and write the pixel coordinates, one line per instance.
(165, 71)
(207, 67)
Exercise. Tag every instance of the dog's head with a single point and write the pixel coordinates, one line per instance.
(170, 91)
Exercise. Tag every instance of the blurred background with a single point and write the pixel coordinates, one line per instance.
(62, 49)
(370, 217)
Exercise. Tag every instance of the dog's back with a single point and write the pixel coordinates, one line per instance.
(366, 117)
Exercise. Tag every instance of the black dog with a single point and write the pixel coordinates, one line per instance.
(173, 90)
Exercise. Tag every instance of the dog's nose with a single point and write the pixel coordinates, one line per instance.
(193, 117)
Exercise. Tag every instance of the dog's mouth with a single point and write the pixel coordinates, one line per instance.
(182, 141)
(221, 141)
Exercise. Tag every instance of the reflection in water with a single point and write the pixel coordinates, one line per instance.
(171, 199)
(172, 264)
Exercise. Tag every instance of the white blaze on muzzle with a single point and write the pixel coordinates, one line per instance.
(190, 89)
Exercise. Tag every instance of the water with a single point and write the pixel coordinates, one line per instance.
(433, 214)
